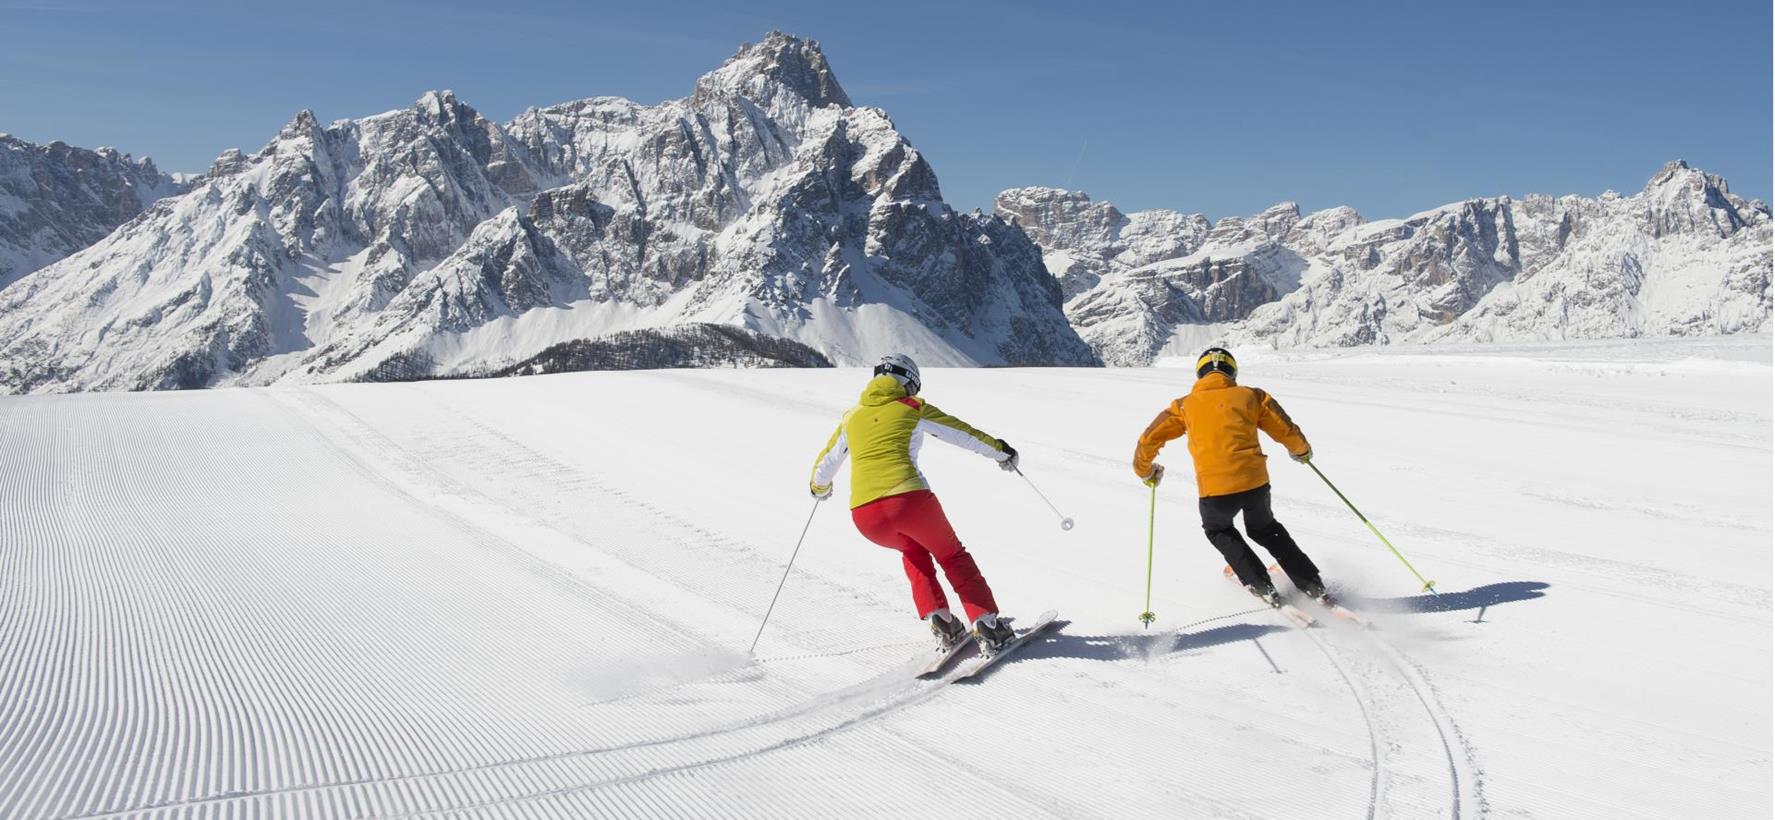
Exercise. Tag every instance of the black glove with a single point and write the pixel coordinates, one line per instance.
(1009, 464)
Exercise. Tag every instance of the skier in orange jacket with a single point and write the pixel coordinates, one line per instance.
(1221, 419)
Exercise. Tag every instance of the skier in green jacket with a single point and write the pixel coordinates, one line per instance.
(892, 505)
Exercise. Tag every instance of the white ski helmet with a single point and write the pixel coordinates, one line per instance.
(902, 368)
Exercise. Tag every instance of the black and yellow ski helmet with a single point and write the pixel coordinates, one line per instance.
(1217, 358)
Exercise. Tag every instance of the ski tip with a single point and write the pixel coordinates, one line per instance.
(1351, 617)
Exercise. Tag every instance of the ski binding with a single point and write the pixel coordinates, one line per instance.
(981, 663)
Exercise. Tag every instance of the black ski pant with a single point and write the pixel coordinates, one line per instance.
(1262, 526)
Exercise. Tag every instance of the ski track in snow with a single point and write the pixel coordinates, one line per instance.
(544, 777)
(525, 598)
(1387, 802)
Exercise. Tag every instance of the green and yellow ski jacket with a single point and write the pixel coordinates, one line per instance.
(884, 432)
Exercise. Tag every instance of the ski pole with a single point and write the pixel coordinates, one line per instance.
(1430, 586)
(1152, 510)
(773, 597)
(1065, 523)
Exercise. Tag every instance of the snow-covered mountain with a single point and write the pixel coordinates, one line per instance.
(1682, 257)
(431, 240)
(1083, 241)
(56, 199)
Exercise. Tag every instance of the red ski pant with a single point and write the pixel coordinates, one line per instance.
(914, 524)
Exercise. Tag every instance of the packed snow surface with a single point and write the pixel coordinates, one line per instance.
(533, 597)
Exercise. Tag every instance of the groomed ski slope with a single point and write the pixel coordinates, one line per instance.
(532, 598)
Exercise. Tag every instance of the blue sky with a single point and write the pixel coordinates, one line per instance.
(1222, 108)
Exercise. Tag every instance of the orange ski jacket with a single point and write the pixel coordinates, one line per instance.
(1221, 419)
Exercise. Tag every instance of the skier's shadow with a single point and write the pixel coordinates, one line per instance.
(1059, 644)
(1477, 598)
(1231, 633)
(1056, 643)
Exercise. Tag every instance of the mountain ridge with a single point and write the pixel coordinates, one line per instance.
(57, 199)
(1683, 256)
(763, 200)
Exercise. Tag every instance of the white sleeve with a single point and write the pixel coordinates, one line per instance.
(827, 468)
(950, 435)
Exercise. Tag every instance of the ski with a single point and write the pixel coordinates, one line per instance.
(939, 659)
(1336, 609)
(981, 663)
(1294, 614)
(1352, 617)
(1297, 616)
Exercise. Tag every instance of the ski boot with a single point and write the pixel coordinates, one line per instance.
(948, 629)
(1268, 595)
(1317, 592)
(992, 634)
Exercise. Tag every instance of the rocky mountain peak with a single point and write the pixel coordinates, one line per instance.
(1670, 171)
(302, 126)
(1278, 219)
(1053, 214)
(227, 162)
(1683, 199)
(429, 241)
(56, 199)
(444, 108)
(1274, 223)
(781, 60)
(1084, 240)
(1678, 175)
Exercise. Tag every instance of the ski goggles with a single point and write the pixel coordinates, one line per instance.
(896, 370)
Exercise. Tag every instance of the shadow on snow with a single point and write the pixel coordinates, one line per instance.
(1058, 644)
(1490, 595)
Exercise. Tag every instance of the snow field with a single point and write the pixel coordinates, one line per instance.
(531, 598)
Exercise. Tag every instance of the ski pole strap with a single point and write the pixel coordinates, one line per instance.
(1429, 586)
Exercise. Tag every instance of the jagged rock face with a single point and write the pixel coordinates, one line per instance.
(433, 238)
(1684, 256)
(1683, 201)
(1132, 279)
(1134, 314)
(56, 199)
(1381, 281)
(1083, 241)
(248, 265)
